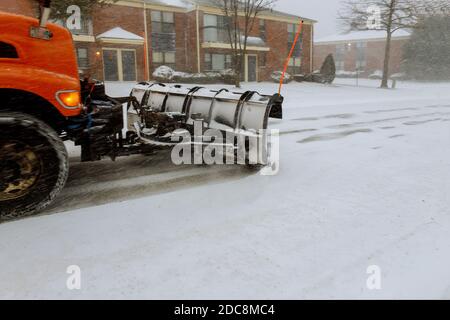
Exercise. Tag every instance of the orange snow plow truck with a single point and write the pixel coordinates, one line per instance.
(43, 103)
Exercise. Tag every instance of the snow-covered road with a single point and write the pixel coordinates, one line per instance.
(364, 180)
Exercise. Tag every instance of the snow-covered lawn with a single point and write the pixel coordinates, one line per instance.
(364, 180)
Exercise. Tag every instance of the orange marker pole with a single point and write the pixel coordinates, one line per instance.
(286, 64)
(146, 73)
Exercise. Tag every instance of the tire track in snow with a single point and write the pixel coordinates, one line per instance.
(103, 185)
(333, 136)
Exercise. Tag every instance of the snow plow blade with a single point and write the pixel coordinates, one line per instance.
(190, 100)
(162, 109)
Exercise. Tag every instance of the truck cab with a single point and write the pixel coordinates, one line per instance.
(38, 66)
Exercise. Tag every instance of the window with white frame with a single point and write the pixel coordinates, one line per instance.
(292, 33)
(215, 28)
(83, 57)
(218, 62)
(163, 58)
(119, 64)
(163, 39)
(294, 65)
(163, 22)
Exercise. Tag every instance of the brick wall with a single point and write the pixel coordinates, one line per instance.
(306, 49)
(24, 7)
(128, 18)
(191, 42)
(277, 41)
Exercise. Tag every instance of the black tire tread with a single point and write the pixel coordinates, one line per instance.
(19, 211)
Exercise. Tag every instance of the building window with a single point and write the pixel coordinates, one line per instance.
(218, 62)
(83, 58)
(86, 27)
(295, 62)
(119, 64)
(294, 65)
(163, 22)
(361, 56)
(215, 28)
(292, 32)
(128, 65)
(340, 57)
(163, 38)
(262, 29)
(163, 58)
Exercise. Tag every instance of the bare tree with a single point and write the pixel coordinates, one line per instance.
(390, 16)
(241, 17)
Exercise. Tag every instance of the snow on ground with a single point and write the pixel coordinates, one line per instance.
(364, 180)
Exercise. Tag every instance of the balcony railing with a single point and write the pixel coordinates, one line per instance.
(85, 30)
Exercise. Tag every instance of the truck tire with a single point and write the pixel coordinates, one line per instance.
(34, 165)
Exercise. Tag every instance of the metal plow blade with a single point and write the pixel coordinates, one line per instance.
(162, 110)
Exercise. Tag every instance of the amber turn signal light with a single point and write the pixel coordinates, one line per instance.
(69, 99)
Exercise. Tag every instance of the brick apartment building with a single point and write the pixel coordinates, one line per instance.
(360, 50)
(128, 40)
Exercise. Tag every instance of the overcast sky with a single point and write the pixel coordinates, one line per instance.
(324, 11)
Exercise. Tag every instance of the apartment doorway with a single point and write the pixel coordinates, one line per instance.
(251, 68)
(119, 65)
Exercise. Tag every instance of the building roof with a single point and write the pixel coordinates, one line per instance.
(190, 4)
(362, 35)
(119, 33)
(186, 4)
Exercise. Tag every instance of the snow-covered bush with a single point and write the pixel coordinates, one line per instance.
(346, 74)
(299, 77)
(182, 77)
(163, 74)
(398, 76)
(376, 75)
(200, 78)
(213, 77)
(276, 77)
(228, 76)
(314, 77)
(166, 74)
(228, 72)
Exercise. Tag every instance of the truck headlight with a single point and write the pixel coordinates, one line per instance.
(69, 99)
